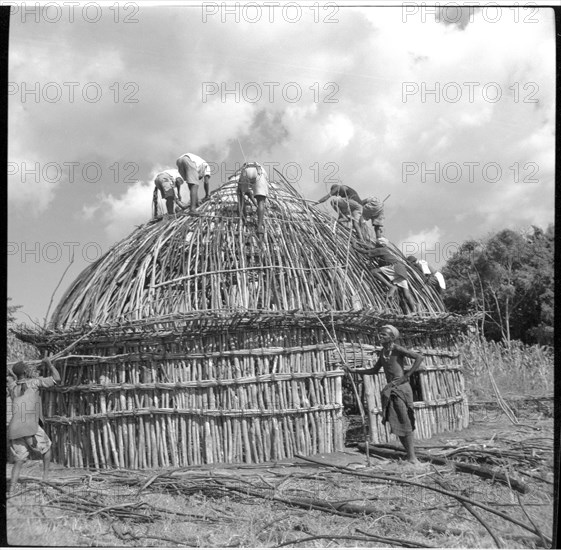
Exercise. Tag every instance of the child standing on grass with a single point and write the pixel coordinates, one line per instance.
(397, 395)
(25, 432)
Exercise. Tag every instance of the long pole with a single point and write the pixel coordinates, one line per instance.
(358, 399)
(241, 148)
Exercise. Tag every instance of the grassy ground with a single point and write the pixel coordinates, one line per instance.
(272, 505)
(269, 505)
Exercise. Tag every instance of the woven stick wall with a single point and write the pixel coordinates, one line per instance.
(210, 346)
(154, 405)
(444, 405)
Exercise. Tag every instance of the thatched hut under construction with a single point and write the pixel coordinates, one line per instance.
(193, 342)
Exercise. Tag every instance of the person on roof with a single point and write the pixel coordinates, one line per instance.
(193, 170)
(391, 271)
(431, 275)
(373, 211)
(253, 184)
(25, 432)
(348, 205)
(397, 395)
(169, 187)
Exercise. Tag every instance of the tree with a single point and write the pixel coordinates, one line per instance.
(535, 315)
(15, 348)
(503, 256)
(508, 277)
(11, 315)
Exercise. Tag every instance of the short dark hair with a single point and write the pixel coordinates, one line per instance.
(19, 368)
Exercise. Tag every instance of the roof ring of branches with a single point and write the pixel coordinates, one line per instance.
(215, 263)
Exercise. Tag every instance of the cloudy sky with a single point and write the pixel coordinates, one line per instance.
(450, 113)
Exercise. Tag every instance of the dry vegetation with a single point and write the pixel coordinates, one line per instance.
(303, 504)
(519, 370)
(298, 503)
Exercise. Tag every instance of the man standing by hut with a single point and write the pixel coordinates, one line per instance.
(193, 170)
(170, 190)
(397, 395)
(25, 432)
(253, 183)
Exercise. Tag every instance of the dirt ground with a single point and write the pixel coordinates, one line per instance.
(343, 502)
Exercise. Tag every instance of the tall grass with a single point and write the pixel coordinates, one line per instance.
(518, 369)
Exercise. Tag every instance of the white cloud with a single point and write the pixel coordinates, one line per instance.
(472, 118)
(367, 135)
(28, 190)
(337, 131)
(425, 244)
(120, 215)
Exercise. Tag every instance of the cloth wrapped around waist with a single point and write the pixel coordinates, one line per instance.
(397, 408)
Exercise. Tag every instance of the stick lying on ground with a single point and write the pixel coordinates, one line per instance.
(456, 496)
(485, 473)
(473, 512)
